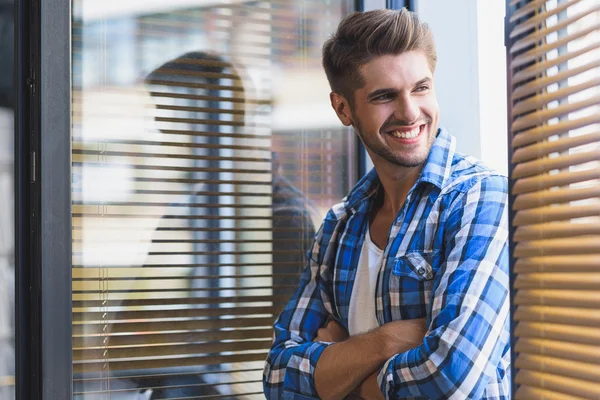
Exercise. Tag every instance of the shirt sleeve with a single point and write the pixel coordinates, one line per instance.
(290, 365)
(469, 329)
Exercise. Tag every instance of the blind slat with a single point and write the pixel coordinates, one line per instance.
(558, 315)
(576, 263)
(555, 213)
(139, 292)
(569, 351)
(555, 280)
(558, 366)
(168, 204)
(145, 278)
(545, 181)
(228, 368)
(543, 165)
(112, 354)
(117, 327)
(137, 339)
(168, 363)
(545, 148)
(579, 245)
(556, 196)
(555, 230)
(525, 392)
(203, 386)
(563, 385)
(81, 141)
(568, 333)
(526, 9)
(542, 116)
(175, 301)
(80, 318)
(111, 153)
(543, 132)
(199, 97)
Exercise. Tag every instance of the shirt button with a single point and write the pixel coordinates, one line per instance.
(421, 271)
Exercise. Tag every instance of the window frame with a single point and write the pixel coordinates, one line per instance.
(43, 199)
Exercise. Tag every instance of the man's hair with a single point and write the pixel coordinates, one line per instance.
(363, 36)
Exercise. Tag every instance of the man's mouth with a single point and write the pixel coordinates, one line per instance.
(407, 134)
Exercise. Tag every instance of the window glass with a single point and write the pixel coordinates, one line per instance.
(205, 155)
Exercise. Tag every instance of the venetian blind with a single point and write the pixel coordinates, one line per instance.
(554, 66)
(198, 183)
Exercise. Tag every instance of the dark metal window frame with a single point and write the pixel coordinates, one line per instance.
(43, 199)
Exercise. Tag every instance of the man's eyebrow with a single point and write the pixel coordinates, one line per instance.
(379, 92)
(422, 81)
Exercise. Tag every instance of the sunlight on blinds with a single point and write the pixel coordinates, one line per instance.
(555, 76)
(205, 155)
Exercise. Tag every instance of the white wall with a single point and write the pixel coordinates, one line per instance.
(470, 76)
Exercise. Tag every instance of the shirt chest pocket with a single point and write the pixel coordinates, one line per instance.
(410, 283)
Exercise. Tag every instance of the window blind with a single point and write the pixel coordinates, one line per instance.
(554, 67)
(193, 201)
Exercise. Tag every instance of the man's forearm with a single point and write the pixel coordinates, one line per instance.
(346, 365)
(369, 389)
(343, 366)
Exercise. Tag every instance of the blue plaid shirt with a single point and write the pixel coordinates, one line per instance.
(446, 260)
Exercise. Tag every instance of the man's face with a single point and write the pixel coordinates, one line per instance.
(396, 112)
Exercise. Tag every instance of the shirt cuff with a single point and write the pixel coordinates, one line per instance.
(303, 385)
(385, 379)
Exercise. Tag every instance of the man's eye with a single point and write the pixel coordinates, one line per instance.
(421, 88)
(386, 96)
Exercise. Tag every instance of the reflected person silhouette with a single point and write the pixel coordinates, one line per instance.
(188, 95)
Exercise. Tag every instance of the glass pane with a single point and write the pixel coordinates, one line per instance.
(7, 249)
(205, 155)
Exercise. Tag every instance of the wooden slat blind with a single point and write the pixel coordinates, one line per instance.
(554, 65)
(192, 211)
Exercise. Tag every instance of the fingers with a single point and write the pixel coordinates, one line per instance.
(331, 332)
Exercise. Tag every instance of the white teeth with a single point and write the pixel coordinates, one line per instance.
(407, 135)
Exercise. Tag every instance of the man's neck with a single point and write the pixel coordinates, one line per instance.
(397, 182)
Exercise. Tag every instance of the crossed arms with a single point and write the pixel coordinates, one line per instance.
(466, 343)
(353, 362)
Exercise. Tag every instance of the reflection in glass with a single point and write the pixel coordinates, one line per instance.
(205, 154)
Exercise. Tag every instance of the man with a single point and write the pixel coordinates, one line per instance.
(413, 265)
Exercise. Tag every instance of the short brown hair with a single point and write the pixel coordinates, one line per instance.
(363, 36)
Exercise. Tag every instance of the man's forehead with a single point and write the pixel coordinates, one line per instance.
(403, 70)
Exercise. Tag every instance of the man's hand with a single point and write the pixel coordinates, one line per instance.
(331, 332)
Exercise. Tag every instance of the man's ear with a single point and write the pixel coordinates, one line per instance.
(342, 108)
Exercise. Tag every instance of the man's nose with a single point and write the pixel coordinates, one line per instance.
(407, 110)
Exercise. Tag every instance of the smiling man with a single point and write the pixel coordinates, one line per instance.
(406, 291)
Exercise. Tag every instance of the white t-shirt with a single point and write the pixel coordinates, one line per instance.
(362, 317)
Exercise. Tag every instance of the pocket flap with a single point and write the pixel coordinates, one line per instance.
(416, 264)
